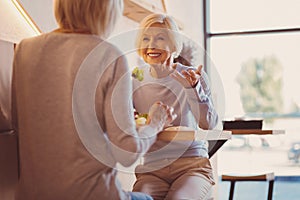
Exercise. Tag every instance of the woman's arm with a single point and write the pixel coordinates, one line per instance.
(201, 103)
(196, 84)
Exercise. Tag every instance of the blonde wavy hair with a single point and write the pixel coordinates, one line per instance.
(93, 16)
(169, 23)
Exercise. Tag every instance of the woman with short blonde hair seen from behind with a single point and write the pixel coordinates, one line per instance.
(73, 108)
(173, 170)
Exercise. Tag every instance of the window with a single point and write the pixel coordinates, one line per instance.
(235, 15)
(255, 48)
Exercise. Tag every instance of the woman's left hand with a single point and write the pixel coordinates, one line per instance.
(188, 78)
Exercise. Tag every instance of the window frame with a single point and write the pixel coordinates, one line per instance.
(208, 36)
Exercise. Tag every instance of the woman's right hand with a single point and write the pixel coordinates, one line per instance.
(160, 115)
(188, 78)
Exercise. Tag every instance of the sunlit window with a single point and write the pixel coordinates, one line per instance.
(255, 47)
(259, 74)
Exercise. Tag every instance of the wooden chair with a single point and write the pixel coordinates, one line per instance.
(261, 177)
(8, 165)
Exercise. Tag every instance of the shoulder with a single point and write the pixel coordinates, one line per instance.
(28, 46)
(110, 47)
(28, 42)
(104, 52)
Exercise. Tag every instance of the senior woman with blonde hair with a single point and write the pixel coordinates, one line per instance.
(73, 109)
(172, 170)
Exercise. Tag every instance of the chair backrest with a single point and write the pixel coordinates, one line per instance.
(8, 137)
(8, 165)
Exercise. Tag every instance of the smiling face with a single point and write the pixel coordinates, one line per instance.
(156, 46)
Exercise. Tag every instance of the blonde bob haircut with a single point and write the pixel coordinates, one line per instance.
(169, 23)
(93, 16)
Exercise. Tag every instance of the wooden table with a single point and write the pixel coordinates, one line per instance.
(256, 132)
(218, 144)
(215, 138)
(194, 135)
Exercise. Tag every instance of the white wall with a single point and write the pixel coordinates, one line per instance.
(41, 11)
(190, 14)
(13, 26)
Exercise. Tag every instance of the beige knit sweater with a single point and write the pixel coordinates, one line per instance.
(73, 113)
